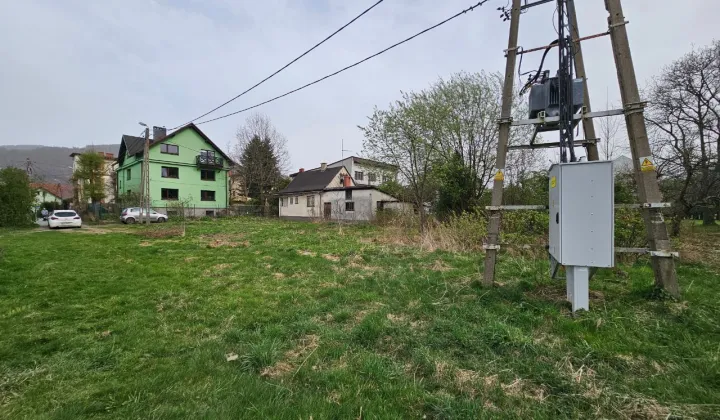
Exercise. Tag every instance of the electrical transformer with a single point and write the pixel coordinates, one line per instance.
(582, 213)
(545, 97)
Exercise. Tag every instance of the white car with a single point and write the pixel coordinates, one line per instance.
(131, 215)
(64, 218)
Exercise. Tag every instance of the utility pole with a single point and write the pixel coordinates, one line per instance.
(491, 248)
(591, 149)
(145, 180)
(645, 175)
(648, 190)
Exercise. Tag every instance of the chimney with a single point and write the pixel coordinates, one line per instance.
(323, 167)
(347, 181)
(159, 133)
(301, 170)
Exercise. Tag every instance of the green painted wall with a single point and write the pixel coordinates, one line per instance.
(188, 182)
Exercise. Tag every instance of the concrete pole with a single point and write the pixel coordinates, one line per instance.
(504, 136)
(588, 124)
(645, 175)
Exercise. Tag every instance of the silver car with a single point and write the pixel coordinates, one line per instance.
(131, 215)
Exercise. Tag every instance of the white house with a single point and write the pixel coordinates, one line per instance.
(109, 168)
(45, 193)
(364, 171)
(331, 193)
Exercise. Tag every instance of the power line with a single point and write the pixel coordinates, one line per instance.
(286, 65)
(469, 9)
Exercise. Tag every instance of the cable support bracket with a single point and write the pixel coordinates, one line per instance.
(615, 25)
(491, 246)
(506, 120)
(643, 206)
(635, 107)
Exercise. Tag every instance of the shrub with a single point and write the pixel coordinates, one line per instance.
(16, 198)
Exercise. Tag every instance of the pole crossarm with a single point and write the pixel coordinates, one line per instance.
(597, 114)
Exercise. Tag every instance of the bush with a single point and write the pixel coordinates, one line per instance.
(16, 198)
(525, 227)
(629, 229)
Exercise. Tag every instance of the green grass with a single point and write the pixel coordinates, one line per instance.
(324, 323)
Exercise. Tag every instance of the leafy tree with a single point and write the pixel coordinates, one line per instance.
(16, 198)
(444, 140)
(457, 194)
(89, 177)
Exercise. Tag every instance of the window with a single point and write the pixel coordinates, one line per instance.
(208, 154)
(171, 149)
(283, 202)
(349, 206)
(129, 175)
(207, 175)
(385, 178)
(169, 194)
(358, 176)
(311, 201)
(348, 194)
(169, 172)
(297, 198)
(210, 213)
(207, 195)
(371, 177)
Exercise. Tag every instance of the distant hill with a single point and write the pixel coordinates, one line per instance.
(50, 164)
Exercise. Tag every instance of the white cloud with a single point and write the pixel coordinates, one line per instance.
(79, 72)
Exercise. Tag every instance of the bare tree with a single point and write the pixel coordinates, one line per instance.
(684, 118)
(262, 156)
(259, 125)
(611, 137)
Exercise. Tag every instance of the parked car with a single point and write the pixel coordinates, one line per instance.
(64, 218)
(131, 215)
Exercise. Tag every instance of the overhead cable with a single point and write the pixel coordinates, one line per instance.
(469, 9)
(285, 66)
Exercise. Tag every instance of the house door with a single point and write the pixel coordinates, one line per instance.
(327, 208)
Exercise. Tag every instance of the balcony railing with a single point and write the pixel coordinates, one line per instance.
(209, 160)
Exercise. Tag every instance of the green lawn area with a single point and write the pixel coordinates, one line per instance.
(254, 318)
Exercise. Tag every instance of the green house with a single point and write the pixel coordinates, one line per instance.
(184, 165)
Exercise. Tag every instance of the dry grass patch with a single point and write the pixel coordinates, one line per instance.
(440, 265)
(306, 253)
(159, 233)
(331, 257)
(294, 358)
(215, 270)
(524, 389)
(279, 275)
(189, 259)
(224, 239)
(145, 243)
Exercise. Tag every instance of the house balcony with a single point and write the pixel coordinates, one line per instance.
(209, 161)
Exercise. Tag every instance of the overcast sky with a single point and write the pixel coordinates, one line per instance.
(83, 72)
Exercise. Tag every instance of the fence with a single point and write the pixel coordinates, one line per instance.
(111, 211)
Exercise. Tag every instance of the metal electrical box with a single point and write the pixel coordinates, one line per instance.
(582, 214)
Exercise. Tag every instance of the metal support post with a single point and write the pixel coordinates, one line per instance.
(645, 175)
(578, 287)
(504, 135)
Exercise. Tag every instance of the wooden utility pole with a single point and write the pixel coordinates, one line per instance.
(645, 174)
(591, 149)
(491, 247)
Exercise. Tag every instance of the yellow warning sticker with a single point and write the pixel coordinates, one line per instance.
(499, 175)
(646, 164)
(553, 182)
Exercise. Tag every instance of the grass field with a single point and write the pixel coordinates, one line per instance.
(252, 318)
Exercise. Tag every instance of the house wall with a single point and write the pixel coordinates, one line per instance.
(300, 210)
(353, 168)
(189, 184)
(42, 196)
(109, 166)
